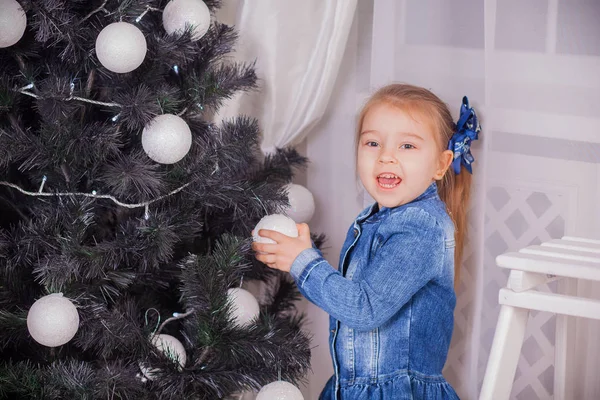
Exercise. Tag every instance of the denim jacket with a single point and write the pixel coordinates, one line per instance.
(391, 302)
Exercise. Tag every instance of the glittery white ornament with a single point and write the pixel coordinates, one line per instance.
(244, 308)
(302, 203)
(166, 139)
(171, 347)
(179, 13)
(52, 320)
(121, 47)
(279, 390)
(12, 22)
(275, 222)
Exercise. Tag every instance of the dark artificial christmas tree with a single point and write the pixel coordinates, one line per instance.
(126, 213)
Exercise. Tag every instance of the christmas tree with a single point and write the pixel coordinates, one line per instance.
(127, 212)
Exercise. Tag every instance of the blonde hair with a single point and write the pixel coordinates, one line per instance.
(454, 190)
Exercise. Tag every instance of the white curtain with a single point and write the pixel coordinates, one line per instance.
(298, 47)
(531, 68)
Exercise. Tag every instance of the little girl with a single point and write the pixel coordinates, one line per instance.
(391, 302)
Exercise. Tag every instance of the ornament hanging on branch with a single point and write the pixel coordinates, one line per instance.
(12, 22)
(121, 47)
(166, 139)
(279, 390)
(245, 308)
(181, 13)
(171, 347)
(53, 320)
(275, 222)
(302, 203)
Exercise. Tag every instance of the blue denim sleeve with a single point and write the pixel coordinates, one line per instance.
(405, 263)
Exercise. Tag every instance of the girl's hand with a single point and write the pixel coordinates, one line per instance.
(282, 254)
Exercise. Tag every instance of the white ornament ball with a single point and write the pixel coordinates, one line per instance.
(245, 308)
(171, 347)
(302, 203)
(53, 320)
(166, 139)
(12, 22)
(279, 390)
(121, 47)
(275, 222)
(179, 13)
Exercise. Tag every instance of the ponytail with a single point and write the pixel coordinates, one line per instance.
(455, 191)
(455, 188)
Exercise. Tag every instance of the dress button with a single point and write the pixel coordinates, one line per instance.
(355, 232)
(333, 331)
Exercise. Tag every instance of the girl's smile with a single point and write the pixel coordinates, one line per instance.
(388, 181)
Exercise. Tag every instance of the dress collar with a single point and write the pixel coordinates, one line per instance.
(374, 213)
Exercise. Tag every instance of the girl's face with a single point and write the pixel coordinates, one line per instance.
(398, 156)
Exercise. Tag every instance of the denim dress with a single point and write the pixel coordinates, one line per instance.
(390, 303)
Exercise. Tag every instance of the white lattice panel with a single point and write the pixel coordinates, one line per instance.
(518, 215)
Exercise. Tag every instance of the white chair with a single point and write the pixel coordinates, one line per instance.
(569, 257)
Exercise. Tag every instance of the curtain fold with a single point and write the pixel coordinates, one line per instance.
(298, 47)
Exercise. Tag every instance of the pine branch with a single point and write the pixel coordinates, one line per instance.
(13, 328)
(139, 106)
(234, 348)
(133, 178)
(279, 166)
(282, 295)
(114, 333)
(20, 380)
(209, 89)
(319, 240)
(205, 279)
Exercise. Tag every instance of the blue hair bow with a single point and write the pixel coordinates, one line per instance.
(467, 130)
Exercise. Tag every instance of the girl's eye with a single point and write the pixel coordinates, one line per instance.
(371, 143)
(407, 146)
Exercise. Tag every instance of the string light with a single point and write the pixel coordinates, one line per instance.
(148, 8)
(24, 91)
(44, 179)
(101, 8)
(94, 194)
(174, 317)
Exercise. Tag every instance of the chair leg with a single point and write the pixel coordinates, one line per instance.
(504, 356)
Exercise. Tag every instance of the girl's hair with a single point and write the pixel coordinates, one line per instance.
(453, 189)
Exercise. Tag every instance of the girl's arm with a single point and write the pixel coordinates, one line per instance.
(405, 263)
